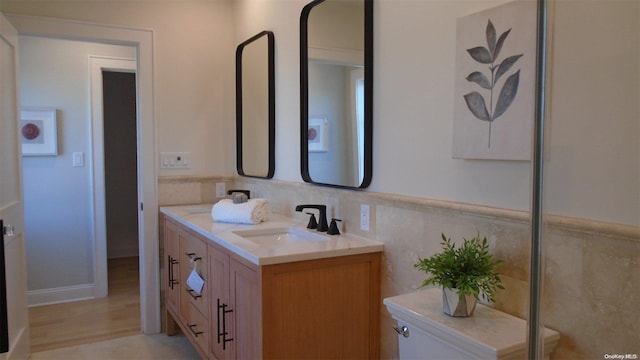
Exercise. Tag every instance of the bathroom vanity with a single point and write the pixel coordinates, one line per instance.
(272, 290)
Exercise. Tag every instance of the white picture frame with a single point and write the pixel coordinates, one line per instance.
(317, 134)
(38, 132)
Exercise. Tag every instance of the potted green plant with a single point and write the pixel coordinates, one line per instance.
(463, 273)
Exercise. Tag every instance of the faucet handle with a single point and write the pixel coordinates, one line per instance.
(333, 228)
(313, 223)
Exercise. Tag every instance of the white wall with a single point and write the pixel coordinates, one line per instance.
(592, 177)
(593, 168)
(193, 70)
(194, 107)
(281, 17)
(55, 73)
(414, 77)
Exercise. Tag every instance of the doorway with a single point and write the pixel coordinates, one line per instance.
(142, 40)
(120, 163)
(113, 147)
(115, 171)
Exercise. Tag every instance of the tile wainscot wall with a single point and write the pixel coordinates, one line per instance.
(590, 292)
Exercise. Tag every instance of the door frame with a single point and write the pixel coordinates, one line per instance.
(142, 40)
(11, 202)
(97, 64)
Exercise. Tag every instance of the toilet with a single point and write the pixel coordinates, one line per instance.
(425, 332)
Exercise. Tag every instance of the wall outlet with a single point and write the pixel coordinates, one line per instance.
(364, 217)
(220, 190)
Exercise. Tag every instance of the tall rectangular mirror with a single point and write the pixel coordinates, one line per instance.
(255, 107)
(336, 92)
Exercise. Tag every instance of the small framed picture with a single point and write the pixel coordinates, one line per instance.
(317, 134)
(38, 132)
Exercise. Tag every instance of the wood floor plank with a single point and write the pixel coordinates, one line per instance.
(82, 322)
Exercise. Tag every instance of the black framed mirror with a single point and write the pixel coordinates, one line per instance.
(255, 107)
(336, 92)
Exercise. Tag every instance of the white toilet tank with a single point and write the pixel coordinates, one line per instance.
(425, 332)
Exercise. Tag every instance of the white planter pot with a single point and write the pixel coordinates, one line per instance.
(453, 305)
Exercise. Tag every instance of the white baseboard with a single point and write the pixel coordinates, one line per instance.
(59, 295)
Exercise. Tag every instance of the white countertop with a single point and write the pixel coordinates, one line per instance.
(198, 218)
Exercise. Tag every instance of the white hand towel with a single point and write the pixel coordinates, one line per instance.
(253, 211)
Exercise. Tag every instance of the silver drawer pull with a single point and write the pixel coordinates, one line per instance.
(404, 331)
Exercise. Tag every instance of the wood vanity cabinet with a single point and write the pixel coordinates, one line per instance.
(324, 308)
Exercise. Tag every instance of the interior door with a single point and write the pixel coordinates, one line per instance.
(11, 208)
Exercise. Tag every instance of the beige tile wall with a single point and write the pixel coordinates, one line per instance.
(591, 289)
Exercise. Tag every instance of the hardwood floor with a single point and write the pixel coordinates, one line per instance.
(82, 322)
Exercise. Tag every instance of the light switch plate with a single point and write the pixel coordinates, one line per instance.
(175, 160)
(78, 159)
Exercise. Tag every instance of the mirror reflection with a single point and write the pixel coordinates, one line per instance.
(255, 107)
(336, 54)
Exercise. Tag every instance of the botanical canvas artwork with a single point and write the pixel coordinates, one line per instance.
(494, 100)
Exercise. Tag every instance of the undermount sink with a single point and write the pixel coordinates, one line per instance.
(280, 235)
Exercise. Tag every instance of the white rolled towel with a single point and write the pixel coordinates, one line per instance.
(253, 211)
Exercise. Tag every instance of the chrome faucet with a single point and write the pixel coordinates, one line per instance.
(322, 220)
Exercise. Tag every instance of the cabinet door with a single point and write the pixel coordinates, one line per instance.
(219, 302)
(244, 293)
(172, 266)
(235, 307)
(325, 308)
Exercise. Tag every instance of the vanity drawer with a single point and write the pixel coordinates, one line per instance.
(193, 255)
(197, 327)
(189, 297)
